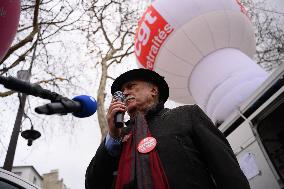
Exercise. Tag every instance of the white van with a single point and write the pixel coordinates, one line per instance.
(256, 134)
(9, 180)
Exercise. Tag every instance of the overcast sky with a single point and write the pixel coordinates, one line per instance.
(68, 150)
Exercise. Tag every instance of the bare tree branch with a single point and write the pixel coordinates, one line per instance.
(110, 32)
(269, 34)
(28, 38)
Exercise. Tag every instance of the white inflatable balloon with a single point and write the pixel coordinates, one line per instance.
(203, 48)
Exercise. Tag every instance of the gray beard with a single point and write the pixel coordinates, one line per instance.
(142, 112)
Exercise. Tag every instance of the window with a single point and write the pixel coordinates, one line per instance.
(34, 181)
(271, 132)
(5, 185)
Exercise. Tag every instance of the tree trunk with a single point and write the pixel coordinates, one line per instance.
(101, 100)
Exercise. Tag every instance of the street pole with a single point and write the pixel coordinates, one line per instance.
(8, 164)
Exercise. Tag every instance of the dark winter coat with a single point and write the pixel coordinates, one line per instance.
(194, 153)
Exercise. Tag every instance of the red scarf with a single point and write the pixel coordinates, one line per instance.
(137, 170)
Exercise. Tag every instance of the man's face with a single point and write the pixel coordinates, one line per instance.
(140, 96)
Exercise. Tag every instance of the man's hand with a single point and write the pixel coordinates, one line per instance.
(114, 107)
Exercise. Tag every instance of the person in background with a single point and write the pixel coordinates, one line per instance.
(161, 148)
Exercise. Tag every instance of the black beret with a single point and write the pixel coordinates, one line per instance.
(144, 75)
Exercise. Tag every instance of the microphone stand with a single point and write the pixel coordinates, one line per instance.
(29, 89)
(36, 90)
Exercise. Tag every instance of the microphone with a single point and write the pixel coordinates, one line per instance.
(119, 116)
(80, 106)
(27, 88)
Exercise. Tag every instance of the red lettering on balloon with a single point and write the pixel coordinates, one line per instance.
(152, 32)
(243, 9)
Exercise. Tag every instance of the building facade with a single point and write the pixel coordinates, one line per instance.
(51, 181)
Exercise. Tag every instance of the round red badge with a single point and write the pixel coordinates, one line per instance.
(146, 145)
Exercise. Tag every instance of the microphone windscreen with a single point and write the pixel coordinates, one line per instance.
(89, 106)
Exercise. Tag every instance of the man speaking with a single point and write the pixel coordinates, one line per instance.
(161, 148)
